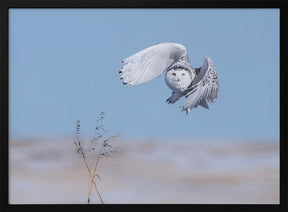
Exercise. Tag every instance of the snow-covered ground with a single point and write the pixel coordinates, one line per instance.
(147, 171)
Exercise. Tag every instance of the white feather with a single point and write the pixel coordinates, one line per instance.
(151, 62)
(204, 86)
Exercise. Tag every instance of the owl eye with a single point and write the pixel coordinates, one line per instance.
(183, 74)
(173, 74)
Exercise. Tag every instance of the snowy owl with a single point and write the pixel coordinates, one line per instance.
(195, 84)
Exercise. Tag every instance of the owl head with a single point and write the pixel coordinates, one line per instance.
(178, 79)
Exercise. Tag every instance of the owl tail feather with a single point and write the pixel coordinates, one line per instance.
(204, 104)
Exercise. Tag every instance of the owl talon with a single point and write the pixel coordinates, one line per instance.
(168, 101)
(172, 99)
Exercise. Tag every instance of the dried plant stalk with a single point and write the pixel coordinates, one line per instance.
(98, 147)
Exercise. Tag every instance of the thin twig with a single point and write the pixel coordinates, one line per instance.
(92, 182)
(87, 154)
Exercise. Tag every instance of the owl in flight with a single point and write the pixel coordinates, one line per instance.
(195, 84)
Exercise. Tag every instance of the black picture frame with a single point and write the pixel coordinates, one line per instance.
(7, 4)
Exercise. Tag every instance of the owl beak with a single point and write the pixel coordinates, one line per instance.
(178, 79)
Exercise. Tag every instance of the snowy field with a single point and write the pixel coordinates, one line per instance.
(147, 171)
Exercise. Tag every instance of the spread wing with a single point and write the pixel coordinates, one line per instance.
(203, 87)
(151, 62)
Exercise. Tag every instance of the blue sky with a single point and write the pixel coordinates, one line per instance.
(64, 63)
